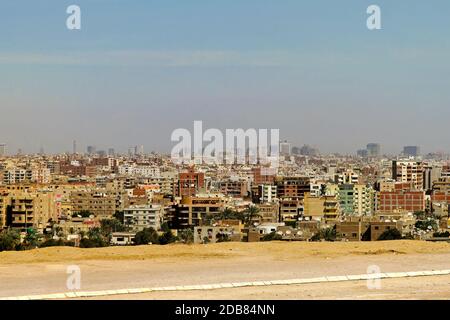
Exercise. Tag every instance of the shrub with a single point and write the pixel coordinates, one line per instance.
(273, 236)
(146, 236)
(391, 234)
(9, 240)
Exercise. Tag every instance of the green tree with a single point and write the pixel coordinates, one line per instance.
(273, 236)
(187, 236)
(83, 214)
(95, 239)
(120, 216)
(222, 237)
(52, 243)
(31, 239)
(206, 240)
(250, 214)
(445, 234)
(390, 234)
(146, 236)
(108, 226)
(9, 240)
(167, 237)
(327, 234)
(428, 224)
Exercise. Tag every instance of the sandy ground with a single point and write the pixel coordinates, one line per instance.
(44, 270)
(404, 288)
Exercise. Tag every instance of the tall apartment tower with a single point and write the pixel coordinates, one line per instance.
(2, 149)
(411, 151)
(285, 148)
(74, 147)
(408, 171)
(373, 150)
(91, 149)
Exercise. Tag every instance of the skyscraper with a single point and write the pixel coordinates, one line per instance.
(285, 148)
(373, 150)
(74, 147)
(2, 149)
(91, 149)
(411, 151)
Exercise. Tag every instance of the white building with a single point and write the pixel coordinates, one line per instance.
(268, 193)
(140, 217)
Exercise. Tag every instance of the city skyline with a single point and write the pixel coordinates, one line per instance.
(139, 149)
(135, 73)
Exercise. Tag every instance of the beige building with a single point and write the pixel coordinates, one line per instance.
(325, 208)
(101, 204)
(26, 210)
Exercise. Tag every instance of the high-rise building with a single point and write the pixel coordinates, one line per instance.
(362, 153)
(411, 151)
(74, 147)
(91, 149)
(373, 150)
(408, 171)
(307, 150)
(2, 149)
(285, 148)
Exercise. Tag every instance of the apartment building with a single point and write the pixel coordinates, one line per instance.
(262, 176)
(139, 217)
(347, 177)
(4, 202)
(401, 201)
(323, 208)
(268, 212)
(194, 210)
(290, 210)
(25, 210)
(292, 187)
(267, 193)
(190, 183)
(100, 203)
(233, 188)
(356, 199)
(408, 171)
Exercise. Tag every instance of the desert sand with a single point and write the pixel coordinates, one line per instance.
(43, 271)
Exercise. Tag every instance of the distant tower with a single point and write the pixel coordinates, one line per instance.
(411, 151)
(373, 150)
(91, 150)
(285, 148)
(2, 149)
(74, 147)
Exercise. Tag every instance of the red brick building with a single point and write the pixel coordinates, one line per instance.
(190, 183)
(398, 201)
(260, 177)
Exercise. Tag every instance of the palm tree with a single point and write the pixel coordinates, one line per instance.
(251, 213)
(227, 213)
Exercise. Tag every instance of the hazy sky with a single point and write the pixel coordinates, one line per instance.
(137, 70)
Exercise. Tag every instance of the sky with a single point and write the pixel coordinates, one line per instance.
(139, 69)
